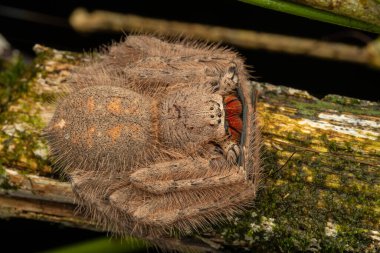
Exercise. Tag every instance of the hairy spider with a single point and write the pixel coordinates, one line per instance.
(159, 136)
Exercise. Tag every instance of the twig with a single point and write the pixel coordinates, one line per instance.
(40, 198)
(84, 21)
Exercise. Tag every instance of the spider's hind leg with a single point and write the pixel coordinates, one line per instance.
(185, 175)
(208, 209)
(92, 192)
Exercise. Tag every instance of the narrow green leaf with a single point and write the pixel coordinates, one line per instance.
(101, 245)
(316, 14)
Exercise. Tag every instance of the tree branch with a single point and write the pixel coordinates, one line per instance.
(322, 167)
(99, 20)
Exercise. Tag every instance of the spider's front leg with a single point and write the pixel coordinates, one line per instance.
(220, 203)
(229, 80)
(231, 151)
(185, 192)
(186, 174)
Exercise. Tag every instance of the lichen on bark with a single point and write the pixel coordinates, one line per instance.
(327, 196)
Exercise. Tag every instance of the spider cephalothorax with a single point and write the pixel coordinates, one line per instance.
(158, 136)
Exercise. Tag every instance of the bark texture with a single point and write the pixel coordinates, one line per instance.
(322, 166)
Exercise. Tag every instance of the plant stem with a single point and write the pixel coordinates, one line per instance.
(100, 245)
(99, 20)
(316, 14)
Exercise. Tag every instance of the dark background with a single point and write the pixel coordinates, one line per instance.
(51, 28)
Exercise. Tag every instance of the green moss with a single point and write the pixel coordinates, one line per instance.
(12, 82)
(314, 107)
(332, 145)
(20, 135)
(308, 215)
(2, 170)
(329, 182)
(4, 185)
(20, 106)
(45, 54)
(342, 100)
(23, 147)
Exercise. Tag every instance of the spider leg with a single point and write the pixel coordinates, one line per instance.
(220, 75)
(144, 63)
(134, 48)
(232, 151)
(162, 211)
(229, 80)
(92, 190)
(89, 189)
(147, 58)
(184, 175)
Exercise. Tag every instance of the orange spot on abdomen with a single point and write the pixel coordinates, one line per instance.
(89, 136)
(114, 106)
(115, 132)
(61, 124)
(90, 104)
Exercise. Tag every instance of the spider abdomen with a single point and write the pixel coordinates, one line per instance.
(101, 125)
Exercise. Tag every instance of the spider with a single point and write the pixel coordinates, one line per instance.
(159, 136)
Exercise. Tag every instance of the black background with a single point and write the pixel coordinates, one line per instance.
(319, 77)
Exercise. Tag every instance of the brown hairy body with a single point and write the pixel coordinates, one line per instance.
(158, 137)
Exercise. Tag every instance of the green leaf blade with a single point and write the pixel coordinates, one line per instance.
(315, 14)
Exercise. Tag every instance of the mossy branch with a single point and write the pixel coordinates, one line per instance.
(321, 190)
